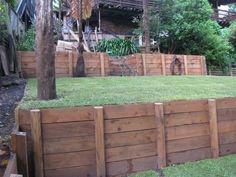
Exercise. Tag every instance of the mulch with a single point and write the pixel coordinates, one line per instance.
(11, 92)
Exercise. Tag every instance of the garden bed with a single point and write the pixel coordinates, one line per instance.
(72, 136)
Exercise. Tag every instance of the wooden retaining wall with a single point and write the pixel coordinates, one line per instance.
(99, 64)
(116, 140)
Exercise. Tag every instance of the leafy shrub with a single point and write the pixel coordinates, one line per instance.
(186, 27)
(3, 17)
(27, 42)
(232, 35)
(117, 47)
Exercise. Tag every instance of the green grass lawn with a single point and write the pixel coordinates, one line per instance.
(119, 90)
(222, 167)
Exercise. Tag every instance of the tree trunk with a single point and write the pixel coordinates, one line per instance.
(45, 51)
(146, 26)
(80, 67)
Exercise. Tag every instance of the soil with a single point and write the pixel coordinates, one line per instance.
(11, 92)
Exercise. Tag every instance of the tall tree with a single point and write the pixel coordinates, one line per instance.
(45, 51)
(146, 26)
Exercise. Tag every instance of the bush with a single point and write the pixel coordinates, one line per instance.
(27, 42)
(117, 47)
(186, 27)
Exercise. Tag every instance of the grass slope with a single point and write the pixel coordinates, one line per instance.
(119, 90)
(222, 167)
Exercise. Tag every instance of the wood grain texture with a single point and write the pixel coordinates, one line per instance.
(213, 128)
(130, 138)
(122, 168)
(128, 111)
(163, 64)
(161, 139)
(82, 171)
(187, 131)
(22, 154)
(37, 142)
(130, 152)
(102, 62)
(149, 64)
(185, 106)
(144, 64)
(68, 144)
(70, 129)
(188, 144)
(60, 115)
(188, 118)
(99, 139)
(11, 167)
(68, 160)
(125, 125)
(188, 156)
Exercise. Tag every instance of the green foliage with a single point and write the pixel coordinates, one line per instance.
(232, 35)
(12, 3)
(117, 47)
(186, 27)
(3, 17)
(27, 42)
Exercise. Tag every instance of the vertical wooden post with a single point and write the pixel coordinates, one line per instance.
(213, 127)
(70, 62)
(185, 65)
(102, 62)
(161, 140)
(163, 64)
(203, 65)
(37, 142)
(99, 138)
(17, 121)
(21, 150)
(144, 64)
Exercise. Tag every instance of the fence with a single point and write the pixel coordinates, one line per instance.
(116, 140)
(99, 64)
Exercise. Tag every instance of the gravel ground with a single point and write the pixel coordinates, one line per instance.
(10, 95)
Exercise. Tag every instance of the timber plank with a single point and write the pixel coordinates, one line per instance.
(71, 129)
(83, 171)
(227, 138)
(130, 152)
(67, 115)
(11, 167)
(122, 168)
(185, 106)
(227, 149)
(186, 118)
(226, 103)
(188, 156)
(129, 110)
(68, 160)
(69, 144)
(187, 131)
(99, 140)
(124, 139)
(227, 126)
(161, 139)
(188, 144)
(231, 114)
(128, 124)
